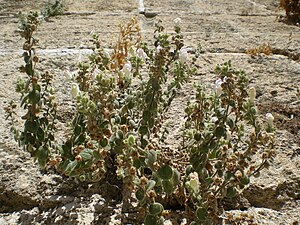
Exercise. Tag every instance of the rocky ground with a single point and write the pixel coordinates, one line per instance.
(225, 30)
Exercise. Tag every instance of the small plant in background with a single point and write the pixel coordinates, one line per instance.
(292, 9)
(53, 8)
(122, 96)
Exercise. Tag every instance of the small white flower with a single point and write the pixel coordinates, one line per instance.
(127, 68)
(183, 55)
(214, 119)
(177, 21)
(218, 86)
(252, 94)
(158, 49)
(270, 118)
(75, 90)
(141, 54)
(194, 181)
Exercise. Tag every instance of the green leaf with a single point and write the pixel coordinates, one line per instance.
(137, 163)
(40, 134)
(156, 209)
(131, 140)
(42, 155)
(146, 115)
(66, 149)
(70, 167)
(119, 134)
(104, 142)
(86, 154)
(130, 105)
(245, 180)
(31, 126)
(34, 96)
(140, 194)
(220, 132)
(165, 172)
(150, 184)
(230, 192)
(28, 69)
(168, 186)
(201, 213)
(150, 220)
(197, 136)
(148, 98)
(143, 130)
(155, 84)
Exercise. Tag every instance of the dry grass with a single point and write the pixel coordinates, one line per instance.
(265, 48)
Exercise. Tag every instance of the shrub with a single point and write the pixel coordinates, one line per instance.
(292, 9)
(53, 8)
(122, 96)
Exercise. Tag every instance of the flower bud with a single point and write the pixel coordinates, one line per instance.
(141, 54)
(252, 94)
(183, 55)
(158, 49)
(75, 90)
(218, 86)
(127, 68)
(194, 181)
(270, 119)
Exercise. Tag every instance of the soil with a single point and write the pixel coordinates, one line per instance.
(225, 30)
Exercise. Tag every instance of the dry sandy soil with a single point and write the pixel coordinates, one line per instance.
(225, 29)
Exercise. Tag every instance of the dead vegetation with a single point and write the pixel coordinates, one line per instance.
(265, 48)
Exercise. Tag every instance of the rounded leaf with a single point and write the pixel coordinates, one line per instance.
(176, 177)
(143, 130)
(156, 208)
(31, 126)
(34, 96)
(168, 186)
(230, 192)
(104, 142)
(197, 136)
(150, 220)
(220, 132)
(150, 185)
(201, 213)
(131, 140)
(146, 115)
(119, 134)
(165, 172)
(245, 180)
(140, 194)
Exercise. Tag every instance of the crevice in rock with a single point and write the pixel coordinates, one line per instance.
(11, 201)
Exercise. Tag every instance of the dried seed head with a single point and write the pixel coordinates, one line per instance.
(78, 158)
(80, 148)
(238, 174)
(132, 171)
(143, 181)
(217, 181)
(90, 145)
(151, 194)
(210, 197)
(230, 166)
